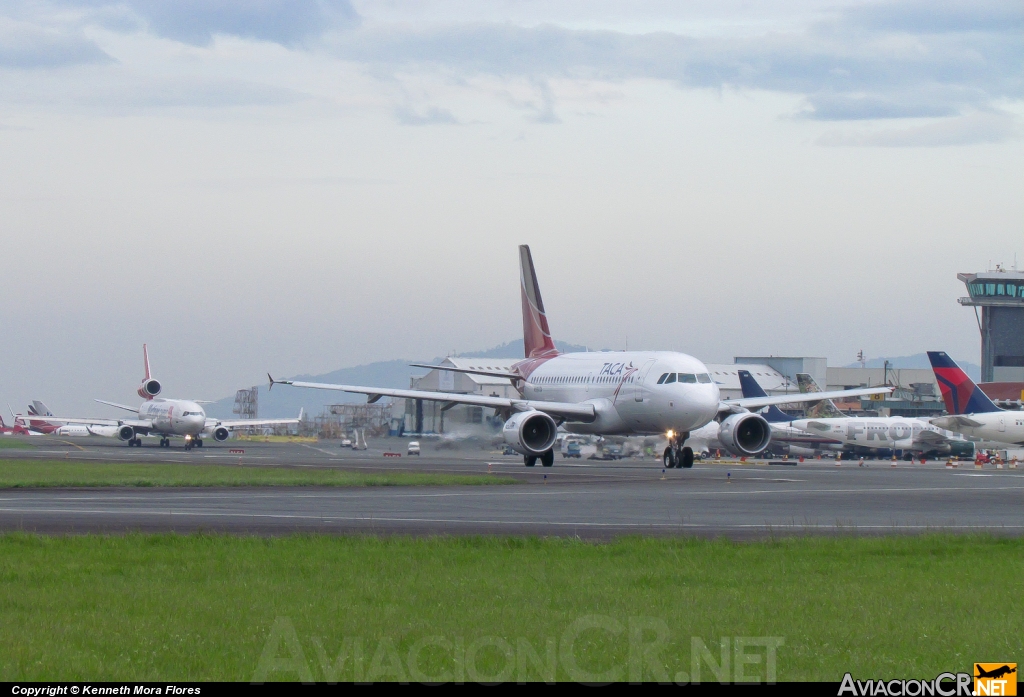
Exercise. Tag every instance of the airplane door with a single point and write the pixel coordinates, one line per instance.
(638, 389)
(1002, 423)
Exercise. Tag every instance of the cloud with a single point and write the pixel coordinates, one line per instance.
(287, 22)
(886, 60)
(429, 117)
(25, 45)
(965, 130)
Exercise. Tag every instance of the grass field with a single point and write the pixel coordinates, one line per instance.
(340, 608)
(71, 473)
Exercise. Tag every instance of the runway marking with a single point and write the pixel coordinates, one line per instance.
(547, 523)
(325, 452)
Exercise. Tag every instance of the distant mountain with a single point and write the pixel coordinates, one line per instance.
(918, 360)
(286, 401)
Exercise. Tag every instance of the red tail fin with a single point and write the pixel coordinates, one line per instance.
(145, 358)
(537, 340)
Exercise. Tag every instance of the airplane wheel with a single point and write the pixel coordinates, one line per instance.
(529, 461)
(548, 458)
(199, 443)
(669, 460)
(687, 458)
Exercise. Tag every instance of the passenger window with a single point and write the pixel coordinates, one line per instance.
(703, 377)
(671, 378)
(661, 380)
(687, 377)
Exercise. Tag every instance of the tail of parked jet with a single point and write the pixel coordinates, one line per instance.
(751, 388)
(537, 341)
(826, 408)
(959, 392)
(37, 408)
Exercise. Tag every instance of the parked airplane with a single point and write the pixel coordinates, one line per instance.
(793, 441)
(167, 418)
(607, 393)
(972, 413)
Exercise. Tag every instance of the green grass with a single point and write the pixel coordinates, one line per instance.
(14, 443)
(199, 607)
(71, 473)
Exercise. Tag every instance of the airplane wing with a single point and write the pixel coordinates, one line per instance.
(930, 438)
(119, 406)
(954, 423)
(242, 423)
(470, 371)
(758, 402)
(570, 411)
(136, 423)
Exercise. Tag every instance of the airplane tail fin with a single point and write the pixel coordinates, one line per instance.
(537, 341)
(959, 392)
(751, 388)
(39, 408)
(145, 359)
(826, 408)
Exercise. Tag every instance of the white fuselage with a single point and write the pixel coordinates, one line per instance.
(625, 391)
(879, 433)
(174, 417)
(1001, 427)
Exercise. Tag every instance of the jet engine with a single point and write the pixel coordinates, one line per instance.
(125, 432)
(149, 388)
(530, 432)
(745, 434)
(220, 434)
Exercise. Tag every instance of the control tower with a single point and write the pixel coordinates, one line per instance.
(1000, 295)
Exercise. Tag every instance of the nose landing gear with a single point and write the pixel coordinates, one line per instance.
(676, 455)
(546, 460)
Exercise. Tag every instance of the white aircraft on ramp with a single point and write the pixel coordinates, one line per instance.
(608, 393)
(167, 418)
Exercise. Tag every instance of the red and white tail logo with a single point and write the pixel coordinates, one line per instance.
(145, 359)
(537, 340)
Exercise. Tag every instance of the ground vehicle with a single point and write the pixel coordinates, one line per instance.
(414, 447)
(346, 443)
(572, 449)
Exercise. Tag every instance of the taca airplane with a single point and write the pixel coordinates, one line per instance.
(168, 417)
(607, 393)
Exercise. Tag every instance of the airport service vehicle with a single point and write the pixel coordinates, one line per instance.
(414, 447)
(572, 450)
(167, 418)
(971, 412)
(619, 393)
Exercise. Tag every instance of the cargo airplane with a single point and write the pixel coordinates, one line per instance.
(607, 393)
(167, 418)
(971, 412)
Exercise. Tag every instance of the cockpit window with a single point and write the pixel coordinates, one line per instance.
(671, 378)
(661, 380)
(703, 377)
(687, 377)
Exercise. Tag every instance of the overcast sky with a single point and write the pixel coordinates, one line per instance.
(301, 185)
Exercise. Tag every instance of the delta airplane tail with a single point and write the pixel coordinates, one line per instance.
(752, 388)
(537, 341)
(959, 392)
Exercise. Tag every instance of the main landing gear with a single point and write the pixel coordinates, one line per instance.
(546, 460)
(676, 455)
(136, 441)
(165, 442)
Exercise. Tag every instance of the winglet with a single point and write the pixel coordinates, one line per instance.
(277, 382)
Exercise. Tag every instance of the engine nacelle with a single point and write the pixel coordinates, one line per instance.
(125, 432)
(530, 432)
(745, 434)
(220, 434)
(149, 388)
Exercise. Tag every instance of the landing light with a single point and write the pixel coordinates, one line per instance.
(670, 434)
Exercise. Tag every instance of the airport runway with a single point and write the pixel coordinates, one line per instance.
(584, 499)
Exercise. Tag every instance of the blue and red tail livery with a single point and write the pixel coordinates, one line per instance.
(960, 393)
